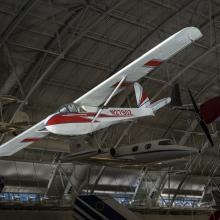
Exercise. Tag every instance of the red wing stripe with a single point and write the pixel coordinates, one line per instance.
(33, 139)
(153, 63)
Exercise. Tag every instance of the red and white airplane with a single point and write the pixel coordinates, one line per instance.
(89, 113)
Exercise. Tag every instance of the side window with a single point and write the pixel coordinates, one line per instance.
(135, 148)
(147, 146)
(165, 142)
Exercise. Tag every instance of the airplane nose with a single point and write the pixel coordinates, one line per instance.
(192, 150)
(51, 120)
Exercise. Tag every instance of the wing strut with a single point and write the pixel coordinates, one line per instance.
(109, 98)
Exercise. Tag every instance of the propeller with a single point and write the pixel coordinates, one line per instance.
(200, 120)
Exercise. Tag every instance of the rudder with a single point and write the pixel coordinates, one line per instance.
(141, 98)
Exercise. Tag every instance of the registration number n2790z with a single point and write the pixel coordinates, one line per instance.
(125, 112)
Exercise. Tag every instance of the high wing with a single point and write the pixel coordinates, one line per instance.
(141, 66)
(24, 139)
(98, 95)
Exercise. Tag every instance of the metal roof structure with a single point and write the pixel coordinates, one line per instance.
(53, 51)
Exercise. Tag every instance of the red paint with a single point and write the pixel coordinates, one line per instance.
(215, 215)
(153, 63)
(210, 110)
(143, 98)
(76, 118)
(33, 139)
(64, 119)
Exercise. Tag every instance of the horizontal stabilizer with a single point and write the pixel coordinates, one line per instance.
(160, 103)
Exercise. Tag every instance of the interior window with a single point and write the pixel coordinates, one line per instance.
(147, 146)
(68, 108)
(165, 142)
(135, 148)
(81, 109)
(71, 107)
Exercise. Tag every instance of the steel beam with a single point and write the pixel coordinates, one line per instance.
(98, 177)
(17, 20)
(14, 75)
(176, 8)
(55, 166)
(68, 58)
(141, 176)
(64, 52)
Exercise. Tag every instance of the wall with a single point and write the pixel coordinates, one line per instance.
(67, 215)
(35, 215)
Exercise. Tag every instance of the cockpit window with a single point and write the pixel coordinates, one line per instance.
(68, 108)
(72, 107)
(63, 109)
(147, 146)
(165, 142)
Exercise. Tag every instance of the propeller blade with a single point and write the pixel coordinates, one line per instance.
(206, 131)
(193, 102)
(201, 122)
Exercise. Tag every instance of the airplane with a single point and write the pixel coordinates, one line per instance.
(89, 113)
(141, 154)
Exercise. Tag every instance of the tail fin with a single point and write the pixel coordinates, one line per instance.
(176, 96)
(142, 99)
(160, 103)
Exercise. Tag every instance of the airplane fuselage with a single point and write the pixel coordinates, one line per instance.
(133, 155)
(79, 123)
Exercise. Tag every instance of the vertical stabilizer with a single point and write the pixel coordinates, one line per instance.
(141, 98)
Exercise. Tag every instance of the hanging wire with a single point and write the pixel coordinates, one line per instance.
(18, 174)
